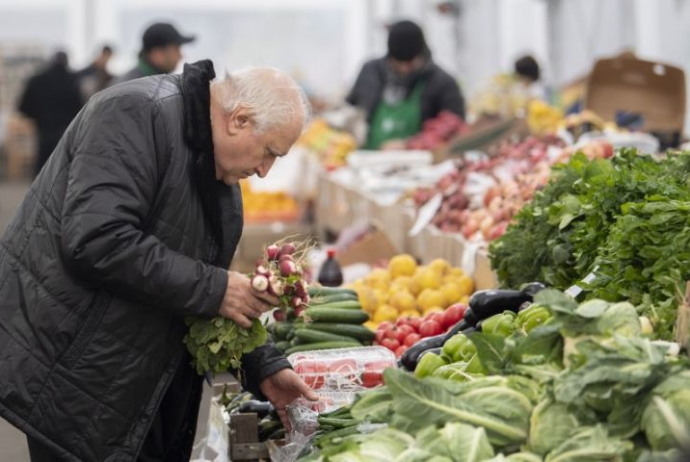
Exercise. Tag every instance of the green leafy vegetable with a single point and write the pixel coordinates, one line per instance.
(219, 344)
(590, 444)
(503, 412)
(625, 218)
(666, 419)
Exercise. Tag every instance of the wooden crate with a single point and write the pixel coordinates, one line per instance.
(20, 149)
(244, 439)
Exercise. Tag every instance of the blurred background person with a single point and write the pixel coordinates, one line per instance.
(95, 77)
(51, 99)
(528, 76)
(403, 89)
(161, 52)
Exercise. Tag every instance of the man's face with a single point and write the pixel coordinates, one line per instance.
(240, 152)
(405, 68)
(166, 58)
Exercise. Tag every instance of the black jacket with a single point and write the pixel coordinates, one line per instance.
(52, 98)
(109, 251)
(441, 92)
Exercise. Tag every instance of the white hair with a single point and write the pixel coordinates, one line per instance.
(271, 96)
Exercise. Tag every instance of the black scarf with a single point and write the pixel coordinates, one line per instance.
(196, 94)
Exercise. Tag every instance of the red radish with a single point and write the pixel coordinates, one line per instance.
(300, 290)
(273, 252)
(295, 302)
(287, 268)
(289, 290)
(288, 249)
(263, 271)
(299, 310)
(284, 257)
(260, 283)
(278, 288)
(306, 299)
(279, 315)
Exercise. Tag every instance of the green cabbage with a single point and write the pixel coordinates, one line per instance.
(666, 419)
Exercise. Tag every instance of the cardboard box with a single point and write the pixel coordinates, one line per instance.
(652, 93)
(372, 248)
(484, 277)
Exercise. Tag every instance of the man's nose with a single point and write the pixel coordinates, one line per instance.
(265, 167)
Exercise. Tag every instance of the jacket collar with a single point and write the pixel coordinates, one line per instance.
(196, 97)
(196, 94)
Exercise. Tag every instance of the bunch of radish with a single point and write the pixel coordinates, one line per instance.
(280, 272)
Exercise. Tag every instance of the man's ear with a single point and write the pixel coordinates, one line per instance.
(238, 120)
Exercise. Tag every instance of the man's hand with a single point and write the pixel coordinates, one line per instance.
(242, 303)
(282, 388)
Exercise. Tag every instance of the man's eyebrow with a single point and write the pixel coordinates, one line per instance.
(275, 153)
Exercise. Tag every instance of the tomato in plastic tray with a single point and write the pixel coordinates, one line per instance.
(345, 369)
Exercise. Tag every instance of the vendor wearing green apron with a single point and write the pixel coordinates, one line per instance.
(161, 52)
(403, 89)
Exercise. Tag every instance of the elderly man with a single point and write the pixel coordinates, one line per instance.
(130, 227)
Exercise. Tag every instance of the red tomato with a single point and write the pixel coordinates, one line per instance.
(400, 350)
(379, 335)
(371, 379)
(402, 333)
(390, 343)
(390, 333)
(344, 367)
(430, 328)
(312, 372)
(402, 321)
(412, 339)
(415, 323)
(453, 314)
(385, 325)
(436, 316)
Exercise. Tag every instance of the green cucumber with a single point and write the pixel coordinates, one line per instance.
(321, 291)
(347, 316)
(317, 336)
(345, 305)
(322, 346)
(347, 330)
(336, 423)
(283, 346)
(282, 329)
(290, 335)
(335, 298)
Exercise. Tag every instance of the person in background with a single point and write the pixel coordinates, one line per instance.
(96, 77)
(161, 52)
(403, 89)
(528, 74)
(51, 99)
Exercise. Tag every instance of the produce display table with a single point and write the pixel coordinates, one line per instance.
(340, 205)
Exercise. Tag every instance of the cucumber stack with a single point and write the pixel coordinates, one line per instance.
(334, 319)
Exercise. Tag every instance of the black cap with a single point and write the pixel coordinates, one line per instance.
(163, 34)
(405, 41)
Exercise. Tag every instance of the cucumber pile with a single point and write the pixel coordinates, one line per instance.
(334, 319)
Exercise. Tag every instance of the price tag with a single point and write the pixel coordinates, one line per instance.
(426, 214)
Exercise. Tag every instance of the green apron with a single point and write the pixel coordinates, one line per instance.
(396, 121)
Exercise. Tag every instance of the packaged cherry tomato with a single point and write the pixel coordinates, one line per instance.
(343, 369)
